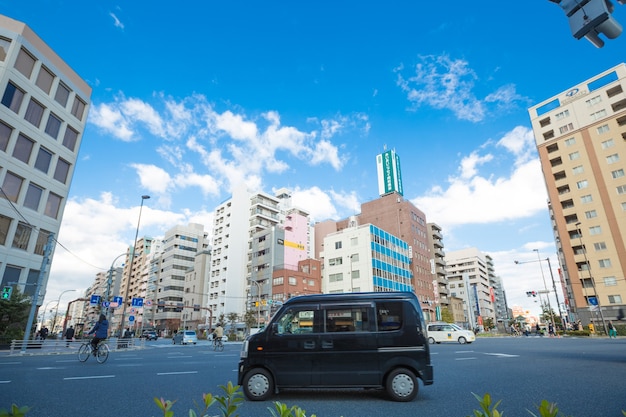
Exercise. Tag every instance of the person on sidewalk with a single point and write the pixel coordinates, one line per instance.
(612, 330)
(69, 335)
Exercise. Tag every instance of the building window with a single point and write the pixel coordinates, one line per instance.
(582, 184)
(570, 141)
(595, 230)
(621, 189)
(22, 236)
(615, 299)
(603, 129)
(567, 128)
(293, 281)
(591, 214)
(23, 148)
(574, 155)
(354, 241)
(598, 115)
(338, 245)
(335, 277)
(594, 100)
(278, 281)
(5, 135)
(78, 108)
(618, 173)
(599, 246)
(335, 261)
(5, 224)
(578, 169)
(12, 186)
(604, 263)
(562, 115)
(25, 63)
(53, 126)
(53, 205)
(62, 94)
(33, 196)
(608, 144)
(586, 199)
(611, 159)
(13, 97)
(610, 281)
(4, 48)
(62, 170)
(44, 157)
(70, 138)
(44, 80)
(34, 113)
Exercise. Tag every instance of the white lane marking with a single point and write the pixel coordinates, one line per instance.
(130, 364)
(4, 382)
(88, 377)
(176, 373)
(177, 357)
(463, 359)
(10, 363)
(502, 355)
(50, 367)
(464, 351)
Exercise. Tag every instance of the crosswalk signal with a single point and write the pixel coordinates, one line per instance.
(6, 293)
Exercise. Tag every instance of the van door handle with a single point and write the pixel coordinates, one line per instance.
(327, 344)
(309, 344)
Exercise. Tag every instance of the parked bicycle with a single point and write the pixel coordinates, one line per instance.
(101, 352)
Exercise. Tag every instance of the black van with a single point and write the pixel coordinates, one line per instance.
(361, 340)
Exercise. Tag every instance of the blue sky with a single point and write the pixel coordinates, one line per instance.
(190, 99)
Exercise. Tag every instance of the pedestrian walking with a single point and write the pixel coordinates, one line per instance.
(612, 330)
(69, 335)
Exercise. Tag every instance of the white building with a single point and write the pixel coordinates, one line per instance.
(43, 112)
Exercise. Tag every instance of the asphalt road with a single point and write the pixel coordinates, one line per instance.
(585, 377)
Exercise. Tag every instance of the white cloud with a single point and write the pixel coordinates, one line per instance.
(116, 22)
(445, 83)
(317, 202)
(472, 198)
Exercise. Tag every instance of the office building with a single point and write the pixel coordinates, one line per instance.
(43, 112)
(580, 135)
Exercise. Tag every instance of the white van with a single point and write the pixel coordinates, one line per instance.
(449, 332)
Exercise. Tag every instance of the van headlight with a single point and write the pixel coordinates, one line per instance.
(244, 350)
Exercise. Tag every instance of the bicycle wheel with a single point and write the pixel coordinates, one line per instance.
(103, 353)
(220, 346)
(84, 351)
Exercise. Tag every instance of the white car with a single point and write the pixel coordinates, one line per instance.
(185, 336)
(449, 332)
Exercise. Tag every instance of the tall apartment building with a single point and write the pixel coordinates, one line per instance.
(438, 267)
(195, 314)
(43, 112)
(167, 285)
(580, 135)
(469, 274)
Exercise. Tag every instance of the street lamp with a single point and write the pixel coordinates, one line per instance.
(258, 306)
(593, 283)
(545, 287)
(130, 266)
(57, 310)
(43, 318)
(107, 296)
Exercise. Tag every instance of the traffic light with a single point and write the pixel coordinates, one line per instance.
(6, 293)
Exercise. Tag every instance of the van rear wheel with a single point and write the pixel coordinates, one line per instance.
(462, 340)
(431, 340)
(258, 384)
(401, 385)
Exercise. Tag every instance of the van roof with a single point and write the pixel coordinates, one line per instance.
(357, 296)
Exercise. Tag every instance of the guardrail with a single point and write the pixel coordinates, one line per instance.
(60, 346)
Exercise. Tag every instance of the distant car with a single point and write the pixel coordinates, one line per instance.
(149, 335)
(184, 337)
(449, 332)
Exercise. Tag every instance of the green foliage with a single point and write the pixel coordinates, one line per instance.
(282, 410)
(232, 320)
(486, 409)
(14, 315)
(446, 315)
(15, 411)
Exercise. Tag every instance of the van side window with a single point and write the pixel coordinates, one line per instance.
(347, 319)
(296, 321)
(390, 316)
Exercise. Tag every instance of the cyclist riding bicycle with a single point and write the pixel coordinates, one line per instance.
(218, 333)
(101, 330)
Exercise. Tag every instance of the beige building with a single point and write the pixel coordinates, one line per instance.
(581, 138)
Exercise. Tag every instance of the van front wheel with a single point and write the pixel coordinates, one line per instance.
(431, 340)
(258, 384)
(401, 385)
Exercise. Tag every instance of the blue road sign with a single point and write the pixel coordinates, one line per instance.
(593, 301)
(137, 302)
(106, 304)
(94, 300)
(118, 300)
(131, 318)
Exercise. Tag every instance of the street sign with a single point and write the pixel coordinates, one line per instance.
(106, 304)
(94, 300)
(148, 303)
(131, 318)
(137, 302)
(113, 304)
(118, 300)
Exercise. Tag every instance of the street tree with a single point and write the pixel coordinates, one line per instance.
(14, 315)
